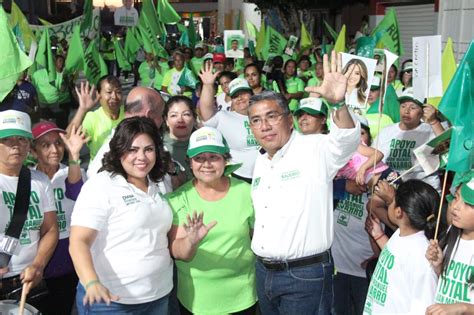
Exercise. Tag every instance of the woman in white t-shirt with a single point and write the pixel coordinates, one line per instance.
(455, 294)
(48, 147)
(403, 281)
(120, 224)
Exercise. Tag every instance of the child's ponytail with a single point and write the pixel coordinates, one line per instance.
(420, 202)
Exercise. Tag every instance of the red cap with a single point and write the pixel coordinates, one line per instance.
(218, 58)
(43, 127)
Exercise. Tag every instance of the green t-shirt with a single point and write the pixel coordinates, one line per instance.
(170, 81)
(293, 85)
(98, 126)
(220, 279)
(48, 93)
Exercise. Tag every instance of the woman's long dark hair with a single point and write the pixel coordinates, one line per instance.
(419, 201)
(122, 140)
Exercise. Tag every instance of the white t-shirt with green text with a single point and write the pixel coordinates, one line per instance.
(41, 201)
(453, 286)
(403, 281)
(351, 244)
(397, 146)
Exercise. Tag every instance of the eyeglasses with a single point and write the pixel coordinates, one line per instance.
(271, 118)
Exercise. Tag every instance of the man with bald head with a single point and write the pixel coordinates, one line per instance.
(141, 102)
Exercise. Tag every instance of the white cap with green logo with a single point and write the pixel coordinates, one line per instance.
(15, 123)
(207, 140)
(237, 85)
(313, 106)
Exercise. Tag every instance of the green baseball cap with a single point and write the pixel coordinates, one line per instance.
(14, 123)
(237, 85)
(207, 140)
(407, 96)
(312, 106)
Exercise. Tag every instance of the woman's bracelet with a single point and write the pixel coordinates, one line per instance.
(91, 283)
(379, 237)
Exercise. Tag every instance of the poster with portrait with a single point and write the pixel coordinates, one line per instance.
(291, 45)
(234, 43)
(360, 73)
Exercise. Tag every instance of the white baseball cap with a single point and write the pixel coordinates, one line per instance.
(237, 85)
(313, 106)
(15, 123)
(207, 140)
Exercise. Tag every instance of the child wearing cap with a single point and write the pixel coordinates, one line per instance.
(455, 265)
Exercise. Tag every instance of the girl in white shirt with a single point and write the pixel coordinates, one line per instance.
(455, 293)
(403, 281)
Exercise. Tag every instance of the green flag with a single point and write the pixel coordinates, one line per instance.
(13, 60)
(149, 19)
(167, 13)
(187, 79)
(457, 105)
(150, 42)
(260, 41)
(448, 68)
(44, 22)
(132, 44)
(330, 30)
(251, 29)
(340, 45)
(184, 39)
(94, 65)
(275, 43)
(17, 19)
(191, 31)
(365, 46)
(75, 54)
(305, 41)
(87, 22)
(388, 27)
(44, 55)
(120, 55)
(181, 27)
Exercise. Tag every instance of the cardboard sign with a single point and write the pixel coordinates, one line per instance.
(433, 155)
(291, 45)
(234, 44)
(427, 81)
(360, 73)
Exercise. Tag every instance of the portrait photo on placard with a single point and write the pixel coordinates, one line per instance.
(359, 72)
(234, 43)
(291, 45)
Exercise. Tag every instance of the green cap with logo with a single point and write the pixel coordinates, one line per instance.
(237, 85)
(14, 123)
(408, 96)
(467, 188)
(207, 140)
(312, 106)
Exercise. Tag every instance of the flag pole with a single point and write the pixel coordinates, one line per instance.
(383, 88)
(427, 70)
(404, 173)
(443, 190)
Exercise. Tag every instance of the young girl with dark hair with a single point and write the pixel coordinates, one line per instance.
(403, 281)
(455, 294)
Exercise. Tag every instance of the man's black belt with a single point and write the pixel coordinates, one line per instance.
(294, 263)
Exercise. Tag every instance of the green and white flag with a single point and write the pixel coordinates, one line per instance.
(275, 43)
(433, 155)
(94, 66)
(390, 33)
(13, 60)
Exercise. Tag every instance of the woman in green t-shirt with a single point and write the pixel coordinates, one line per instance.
(219, 278)
(293, 87)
